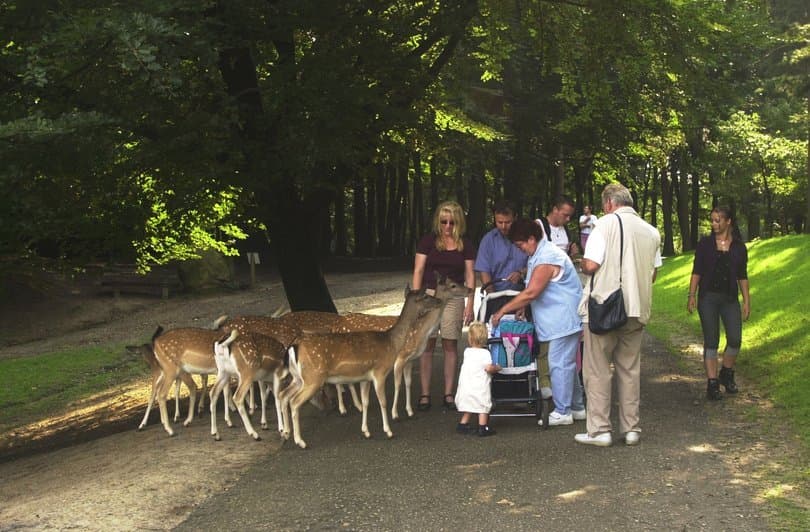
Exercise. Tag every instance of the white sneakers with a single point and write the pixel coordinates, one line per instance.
(601, 440)
(579, 415)
(606, 440)
(555, 418)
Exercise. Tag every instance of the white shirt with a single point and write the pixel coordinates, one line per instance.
(591, 219)
(559, 237)
(595, 250)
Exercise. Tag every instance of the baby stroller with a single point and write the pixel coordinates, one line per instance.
(518, 389)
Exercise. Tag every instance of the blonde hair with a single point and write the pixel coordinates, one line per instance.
(459, 228)
(477, 334)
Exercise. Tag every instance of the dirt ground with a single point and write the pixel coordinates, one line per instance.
(93, 476)
(131, 479)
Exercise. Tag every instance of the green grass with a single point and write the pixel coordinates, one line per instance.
(774, 355)
(37, 387)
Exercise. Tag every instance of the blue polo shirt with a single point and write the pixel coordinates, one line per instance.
(499, 257)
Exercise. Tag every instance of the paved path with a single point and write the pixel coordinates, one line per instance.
(429, 478)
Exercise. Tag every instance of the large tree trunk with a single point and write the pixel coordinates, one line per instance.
(478, 207)
(417, 203)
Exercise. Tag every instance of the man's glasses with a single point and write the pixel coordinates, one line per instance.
(448, 222)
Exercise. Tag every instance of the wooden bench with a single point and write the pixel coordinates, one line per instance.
(160, 280)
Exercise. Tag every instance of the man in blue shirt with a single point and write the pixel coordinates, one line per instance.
(498, 258)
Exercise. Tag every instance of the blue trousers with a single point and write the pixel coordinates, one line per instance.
(562, 366)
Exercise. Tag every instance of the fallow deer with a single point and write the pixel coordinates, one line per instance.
(251, 358)
(179, 353)
(341, 358)
(446, 289)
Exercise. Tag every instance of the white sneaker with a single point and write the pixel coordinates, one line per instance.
(602, 440)
(555, 418)
(579, 415)
(632, 437)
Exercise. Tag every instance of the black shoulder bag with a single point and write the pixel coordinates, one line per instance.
(609, 315)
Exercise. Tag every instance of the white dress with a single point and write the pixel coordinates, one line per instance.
(473, 394)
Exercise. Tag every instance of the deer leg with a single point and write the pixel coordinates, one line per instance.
(264, 391)
(157, 378)
(284, 404)
(251, 400)
(177, 400)
(302, 396)
(245, 387)
(216, 391)
(355, 400)
(364, 388)
(229, 404)
(341, 404)
(162, 395)
(379, 387)
(397, 378)
(277, 400)
(192, 393)
(408, 376)
(204, 382)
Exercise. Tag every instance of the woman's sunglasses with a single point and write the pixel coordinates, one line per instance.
(448, 222)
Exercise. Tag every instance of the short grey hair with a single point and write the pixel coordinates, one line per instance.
(617, 194)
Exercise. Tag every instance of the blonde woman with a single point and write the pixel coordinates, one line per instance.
(447, 252)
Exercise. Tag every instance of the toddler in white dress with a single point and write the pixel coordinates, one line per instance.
(473, 395)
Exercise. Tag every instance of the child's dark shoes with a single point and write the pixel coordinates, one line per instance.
(485, 431)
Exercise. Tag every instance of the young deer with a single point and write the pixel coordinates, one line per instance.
(179, 353)
(446, 289)
(342, 358)
(251, 358)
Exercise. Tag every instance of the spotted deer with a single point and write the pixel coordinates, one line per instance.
(446, 289)
(180, 353)
(342, 358)
(249, 357)
(328, 322)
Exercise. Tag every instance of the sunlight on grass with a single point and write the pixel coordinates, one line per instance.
(773, 356)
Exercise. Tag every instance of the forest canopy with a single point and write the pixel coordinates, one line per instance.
(152, 131)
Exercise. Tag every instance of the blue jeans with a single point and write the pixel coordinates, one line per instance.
(713, 307)
(562, 366)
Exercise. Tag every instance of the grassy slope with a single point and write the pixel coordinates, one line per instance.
(775, 338)
(774, 354)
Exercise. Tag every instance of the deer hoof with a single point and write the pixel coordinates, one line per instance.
(217, 437)
(265, 426)
(186, 423)
(367, 435)
(256, 437)
(389, 434)
(302, 444)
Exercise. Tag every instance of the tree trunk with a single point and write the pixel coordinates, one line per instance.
(434, 192)
(297, 255)
(417, 202)
(653, 195)
(362, 235)
(694, 228)
(666, 210)
(478, 208)
(680, 176)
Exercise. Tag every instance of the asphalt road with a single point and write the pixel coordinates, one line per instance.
(681, 477)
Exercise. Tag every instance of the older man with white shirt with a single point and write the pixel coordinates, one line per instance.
(622, 254)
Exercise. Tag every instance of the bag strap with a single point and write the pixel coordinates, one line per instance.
(621, 251)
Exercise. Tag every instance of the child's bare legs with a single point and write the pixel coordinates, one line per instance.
(483, 420)
(465, 418)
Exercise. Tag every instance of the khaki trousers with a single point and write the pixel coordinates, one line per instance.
(621, 347)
